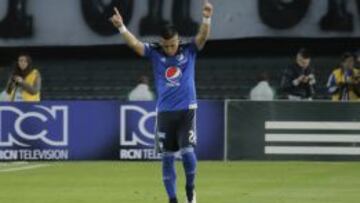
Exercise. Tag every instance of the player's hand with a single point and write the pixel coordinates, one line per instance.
(208, 9)
(117, 19)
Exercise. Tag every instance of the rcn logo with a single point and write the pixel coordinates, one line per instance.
(137, 126)
(33, 126)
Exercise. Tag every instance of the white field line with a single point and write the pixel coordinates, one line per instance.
(22, 168)
(13, 163)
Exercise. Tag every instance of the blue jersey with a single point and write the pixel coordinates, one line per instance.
(174, 77)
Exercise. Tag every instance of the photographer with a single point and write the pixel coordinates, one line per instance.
(25, 82)
(298, 79)
(343, 83)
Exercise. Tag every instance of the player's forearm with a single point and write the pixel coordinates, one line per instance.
(203, 35)
(132, 41)
(204, 32)
(205, 27)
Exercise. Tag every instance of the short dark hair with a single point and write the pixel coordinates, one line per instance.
(305, 53)
(168, 32)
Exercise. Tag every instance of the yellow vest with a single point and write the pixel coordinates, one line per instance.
(30, 79)
(340, 78)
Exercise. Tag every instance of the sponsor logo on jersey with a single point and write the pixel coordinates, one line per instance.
(173, 75)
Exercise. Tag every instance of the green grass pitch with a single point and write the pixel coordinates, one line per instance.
(217, 182)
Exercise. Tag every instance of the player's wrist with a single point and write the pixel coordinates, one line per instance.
(206, 20)
(122, 29)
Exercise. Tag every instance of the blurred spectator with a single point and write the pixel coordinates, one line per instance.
(3, 96)
(25, 82)
(357, 59)
(142, 91)
(262, 91)
(298, 80)
(343, 83)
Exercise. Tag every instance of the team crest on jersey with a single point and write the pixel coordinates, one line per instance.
(173, 75)
(181, 58)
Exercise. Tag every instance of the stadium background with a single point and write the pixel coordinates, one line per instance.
(59, 47)
(78, 63)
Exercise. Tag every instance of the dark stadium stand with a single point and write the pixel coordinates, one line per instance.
(110, 72)
(217, 78)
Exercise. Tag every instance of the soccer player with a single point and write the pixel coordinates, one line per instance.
(173, 67)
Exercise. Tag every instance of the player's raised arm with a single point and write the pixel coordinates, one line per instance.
(129, 38)
(204, 31)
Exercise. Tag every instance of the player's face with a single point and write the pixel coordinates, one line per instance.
(170, 46)
(23, 62)
(303, 62)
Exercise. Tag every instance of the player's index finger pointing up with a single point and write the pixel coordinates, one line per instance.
(116, 11)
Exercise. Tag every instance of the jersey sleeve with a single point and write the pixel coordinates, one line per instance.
(149, 50)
